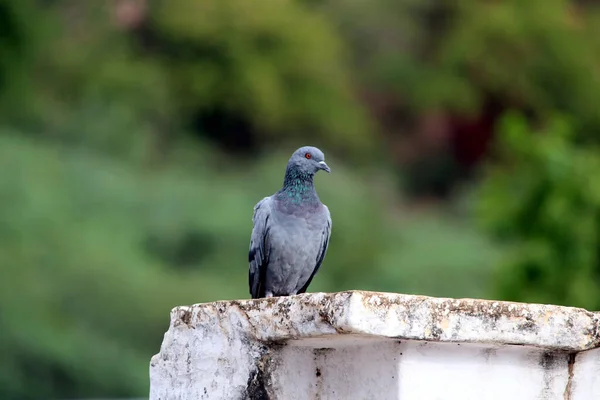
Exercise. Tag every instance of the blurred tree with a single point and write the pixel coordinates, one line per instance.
(248, 72)
(239, 75)
(544, 199)
(461, 64)
(540, 56)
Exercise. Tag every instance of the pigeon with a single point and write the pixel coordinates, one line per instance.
(291, 231)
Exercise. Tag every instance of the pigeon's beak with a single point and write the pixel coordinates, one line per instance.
(324, 166)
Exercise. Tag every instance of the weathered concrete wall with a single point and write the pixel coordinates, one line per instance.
(362, 345)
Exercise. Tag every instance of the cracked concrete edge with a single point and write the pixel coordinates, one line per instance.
(400, 316)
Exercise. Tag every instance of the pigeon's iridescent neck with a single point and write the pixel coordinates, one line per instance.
(298, 188)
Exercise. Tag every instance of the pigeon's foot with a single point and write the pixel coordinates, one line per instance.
(268, 294)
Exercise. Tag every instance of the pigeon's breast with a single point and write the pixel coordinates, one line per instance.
(297, 239)
(300, 229)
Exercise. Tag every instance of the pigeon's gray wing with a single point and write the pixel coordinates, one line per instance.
(325, 234)
(258, 256)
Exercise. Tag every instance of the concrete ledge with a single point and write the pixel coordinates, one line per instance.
(238, 349)
(403, 317)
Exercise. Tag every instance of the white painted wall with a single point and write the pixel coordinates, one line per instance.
(394, 370)
(360, 345)
(586, 375)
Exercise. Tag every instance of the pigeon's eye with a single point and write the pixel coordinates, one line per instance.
(308, 156)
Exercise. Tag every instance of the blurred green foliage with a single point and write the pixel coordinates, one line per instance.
(131, 154)
(275, 64)
(276, 68)
(545, 201)
(539, 55)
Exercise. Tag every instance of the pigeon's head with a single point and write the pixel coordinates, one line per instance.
(308, 159)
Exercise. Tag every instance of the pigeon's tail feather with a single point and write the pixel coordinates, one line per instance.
(256, 275)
